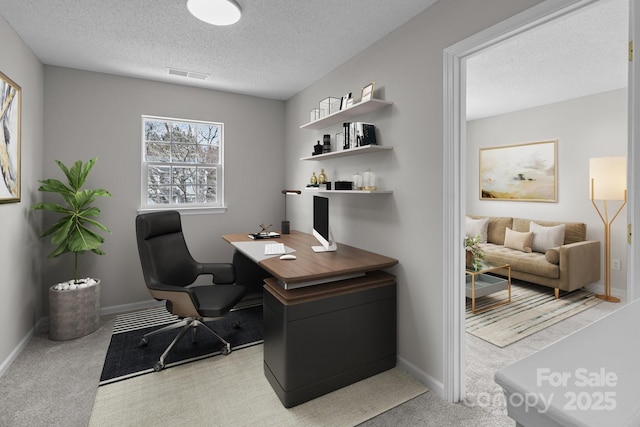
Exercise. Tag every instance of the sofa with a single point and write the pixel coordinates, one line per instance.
(548, 253)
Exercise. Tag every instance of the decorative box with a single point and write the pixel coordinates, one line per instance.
(329, 106)
(314, 115)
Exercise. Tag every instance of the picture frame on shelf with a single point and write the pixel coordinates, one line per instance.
(345, 100)
(367, 92)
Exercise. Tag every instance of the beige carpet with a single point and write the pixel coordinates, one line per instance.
(532, 309)
(233, 391)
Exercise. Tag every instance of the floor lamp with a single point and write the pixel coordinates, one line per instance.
(608, 176)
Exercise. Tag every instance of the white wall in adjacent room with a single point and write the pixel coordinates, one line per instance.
(592, 126)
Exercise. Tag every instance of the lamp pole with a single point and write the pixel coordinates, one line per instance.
(607, 243)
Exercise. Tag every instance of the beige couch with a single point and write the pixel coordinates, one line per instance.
(569, 264)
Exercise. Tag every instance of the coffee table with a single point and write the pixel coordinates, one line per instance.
(480, 284)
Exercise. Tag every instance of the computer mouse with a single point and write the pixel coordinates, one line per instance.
(288, 256)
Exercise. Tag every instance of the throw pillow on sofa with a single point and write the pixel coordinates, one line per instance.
(553, 256)
(477, 227)
(545, 238)
(518, 240)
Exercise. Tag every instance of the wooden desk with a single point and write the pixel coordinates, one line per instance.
(310, 267)
(320, 338)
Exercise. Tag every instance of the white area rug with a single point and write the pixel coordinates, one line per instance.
(532, 309)
(233, 391)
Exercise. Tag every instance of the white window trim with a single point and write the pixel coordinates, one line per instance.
(187, 209)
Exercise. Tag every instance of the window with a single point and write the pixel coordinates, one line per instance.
(181, 163)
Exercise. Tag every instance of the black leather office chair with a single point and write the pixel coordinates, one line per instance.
(169, 269)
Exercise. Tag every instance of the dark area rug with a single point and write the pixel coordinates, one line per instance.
(126, 358)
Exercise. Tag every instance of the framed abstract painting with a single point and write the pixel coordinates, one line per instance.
(10, 104)
(524, 172)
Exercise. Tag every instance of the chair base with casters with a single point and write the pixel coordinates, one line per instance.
(186, 324)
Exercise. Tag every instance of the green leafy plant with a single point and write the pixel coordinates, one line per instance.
(74, 232)
(472, 247)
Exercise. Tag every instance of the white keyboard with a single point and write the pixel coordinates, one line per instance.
(274, 249)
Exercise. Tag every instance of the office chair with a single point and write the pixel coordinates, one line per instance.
(169, 269)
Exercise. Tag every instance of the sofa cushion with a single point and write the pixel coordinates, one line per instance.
(545, 238)
(496, 228)
(520, 241)
(475, 227)
(574, 231)
(553, 255)
(533, 262)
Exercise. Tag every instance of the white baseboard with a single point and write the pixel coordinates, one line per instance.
(43, 325)
(598, 288)
(16, 351)
(431, 383)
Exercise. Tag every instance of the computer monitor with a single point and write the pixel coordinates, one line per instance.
(321, 229)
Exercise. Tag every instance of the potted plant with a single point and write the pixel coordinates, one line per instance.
(74, 306)
(474, 252)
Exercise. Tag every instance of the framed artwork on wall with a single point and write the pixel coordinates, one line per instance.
(523, 172)
(10, 104)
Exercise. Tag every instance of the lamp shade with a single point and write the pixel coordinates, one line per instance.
(215, 12)
(609, 177)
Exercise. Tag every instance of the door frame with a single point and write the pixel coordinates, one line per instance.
(454, 174)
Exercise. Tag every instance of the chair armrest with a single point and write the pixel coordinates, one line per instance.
(223, 273)
(579, 264)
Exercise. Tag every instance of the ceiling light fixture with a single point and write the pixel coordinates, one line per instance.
(215, 12)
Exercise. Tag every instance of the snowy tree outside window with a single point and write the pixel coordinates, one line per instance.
(182, 163)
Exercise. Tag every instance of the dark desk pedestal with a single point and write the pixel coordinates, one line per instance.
(324, 337)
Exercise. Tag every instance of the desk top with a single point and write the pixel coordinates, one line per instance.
(311, 266)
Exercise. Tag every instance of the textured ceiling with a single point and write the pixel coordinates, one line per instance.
(278, 48)
(578, 55)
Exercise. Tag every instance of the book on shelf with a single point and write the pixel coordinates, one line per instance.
(358, 134)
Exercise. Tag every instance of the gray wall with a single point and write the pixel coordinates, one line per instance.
(89, 114)
(407, 69)
(20, 257)
(592, 126)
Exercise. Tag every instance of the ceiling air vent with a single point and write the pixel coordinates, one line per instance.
(188, 74)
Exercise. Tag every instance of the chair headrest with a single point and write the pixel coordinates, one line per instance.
(155, 224)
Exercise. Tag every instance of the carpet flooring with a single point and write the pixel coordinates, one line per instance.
(532, 309)
(126, 358)
(233, 391)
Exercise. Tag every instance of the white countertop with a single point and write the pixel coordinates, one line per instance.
(589, 378)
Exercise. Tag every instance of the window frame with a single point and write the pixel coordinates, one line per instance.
(186, 208)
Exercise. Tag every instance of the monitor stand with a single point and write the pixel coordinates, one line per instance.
(331, 248)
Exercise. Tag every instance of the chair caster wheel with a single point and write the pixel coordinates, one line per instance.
(158, 366)
(143, 342)
(226, 349)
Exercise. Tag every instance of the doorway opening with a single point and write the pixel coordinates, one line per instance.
(457, 173)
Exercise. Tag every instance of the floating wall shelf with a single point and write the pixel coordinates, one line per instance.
(349, 152)
(315, 190)
(344, 115)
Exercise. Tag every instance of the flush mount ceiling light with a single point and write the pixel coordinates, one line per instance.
(215, 12)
